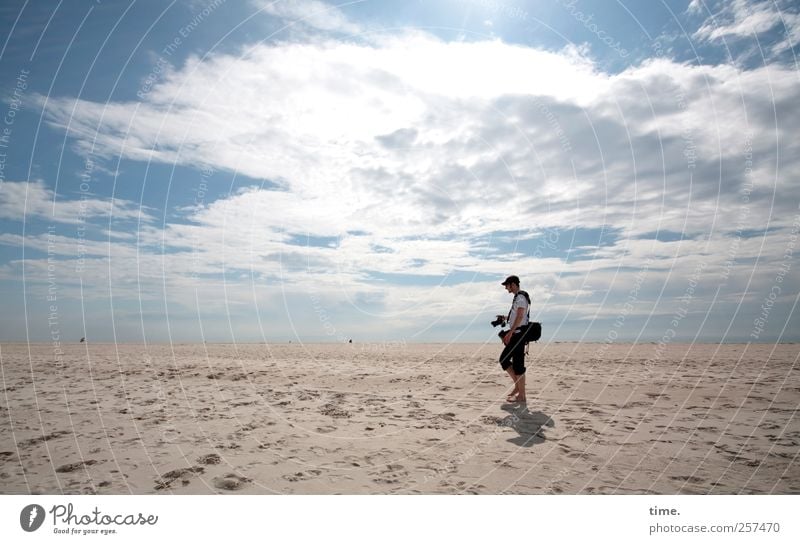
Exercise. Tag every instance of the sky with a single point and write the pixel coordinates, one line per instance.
(300, 170)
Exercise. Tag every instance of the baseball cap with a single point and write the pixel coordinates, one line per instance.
(511, 279)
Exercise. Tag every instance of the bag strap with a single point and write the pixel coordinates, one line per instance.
(527, 299)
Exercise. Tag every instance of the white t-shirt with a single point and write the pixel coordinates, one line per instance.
(519, 302)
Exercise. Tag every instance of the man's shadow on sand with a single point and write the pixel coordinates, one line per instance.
(529, 425)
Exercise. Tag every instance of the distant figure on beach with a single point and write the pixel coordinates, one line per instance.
(82, 340)
(512, 359)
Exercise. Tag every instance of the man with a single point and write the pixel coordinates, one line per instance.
(513, 357)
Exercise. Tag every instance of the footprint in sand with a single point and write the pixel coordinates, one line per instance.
(463, 487)
(333, 410)
(392, 474)
(326, 429)
(210, 459)
(316, 450)
(230, 482)
(72, 467)
(352, 460)
(302, 476)
(182, 474)
(307, 395)
(34, 441)
(688, 479)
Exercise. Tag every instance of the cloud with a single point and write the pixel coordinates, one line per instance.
(312, 13)
(423, 164)
(349, 128)
(695, 7)
(740, 18)
(749, 19)
(29, 201)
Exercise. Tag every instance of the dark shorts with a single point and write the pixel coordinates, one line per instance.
(514, 355)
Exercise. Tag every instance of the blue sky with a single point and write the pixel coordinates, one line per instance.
(257, 171)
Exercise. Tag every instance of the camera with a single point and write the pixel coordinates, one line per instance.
(500, 320)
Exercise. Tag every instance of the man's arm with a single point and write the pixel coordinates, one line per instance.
(517, 320)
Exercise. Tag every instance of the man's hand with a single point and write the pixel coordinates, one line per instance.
(507, 337)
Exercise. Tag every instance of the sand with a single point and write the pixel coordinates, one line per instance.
(388, 419)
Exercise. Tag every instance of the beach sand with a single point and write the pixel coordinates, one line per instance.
(364, 418)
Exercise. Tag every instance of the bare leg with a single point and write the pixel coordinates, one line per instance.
(520, 387)
(514, 392)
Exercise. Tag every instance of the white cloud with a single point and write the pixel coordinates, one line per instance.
(695, 7)
(313, 13)
(410, 152)
(740, 18)
(318, 118)
(749, 19)
(34, 201)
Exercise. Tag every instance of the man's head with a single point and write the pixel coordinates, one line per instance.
(511, 284)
